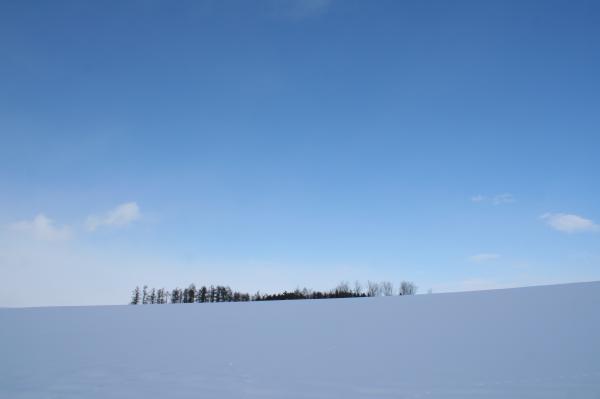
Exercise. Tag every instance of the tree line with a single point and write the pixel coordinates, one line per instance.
(219, 293)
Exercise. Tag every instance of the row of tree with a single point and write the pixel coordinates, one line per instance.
(219, 293)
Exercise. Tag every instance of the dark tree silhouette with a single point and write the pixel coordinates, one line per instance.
(222, 293)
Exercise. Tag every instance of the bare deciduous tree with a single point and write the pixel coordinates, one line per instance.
(408, 288)
(387, 288)
(357, 288)
(343, 286)
(373, 288)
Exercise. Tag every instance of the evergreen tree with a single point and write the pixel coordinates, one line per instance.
(175, 296)
(135, 296)
(191, 294)
(201, 294)
(145, 295)
(212, 294)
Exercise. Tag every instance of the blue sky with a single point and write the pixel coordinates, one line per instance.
(274, 144)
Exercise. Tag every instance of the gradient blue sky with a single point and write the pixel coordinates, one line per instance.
(274, 144)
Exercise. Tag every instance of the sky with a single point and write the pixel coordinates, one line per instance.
(269, 145)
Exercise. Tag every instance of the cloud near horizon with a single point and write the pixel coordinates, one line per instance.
(484, 257)
(569, 223)
(498, 199)
(42, 228)
(120, 216)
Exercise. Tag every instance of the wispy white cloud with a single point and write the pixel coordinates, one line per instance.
(569, 223)
(42, 228)
(498, 199)
(484, 257)
(120, 216)
(505, 198)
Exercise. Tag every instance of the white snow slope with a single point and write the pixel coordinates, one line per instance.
(539, 342)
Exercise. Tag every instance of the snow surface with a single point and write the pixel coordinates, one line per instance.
(538, 342)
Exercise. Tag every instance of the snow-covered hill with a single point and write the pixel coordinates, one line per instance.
(539, 342)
